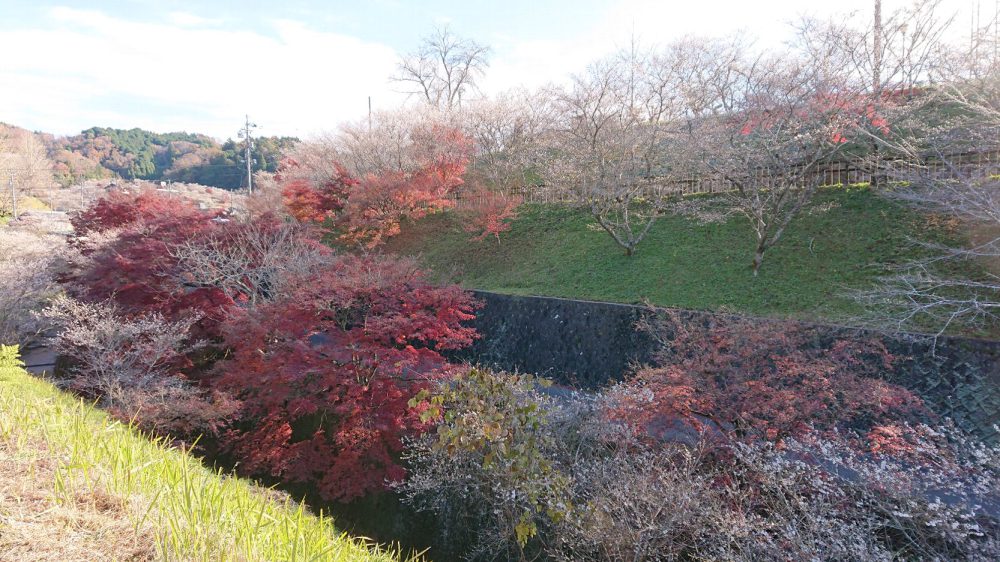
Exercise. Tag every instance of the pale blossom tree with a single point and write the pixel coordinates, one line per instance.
(950, 166)
(783, 119)
(615, 142)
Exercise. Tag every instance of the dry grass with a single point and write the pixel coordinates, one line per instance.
(78, 485)
(34, 525)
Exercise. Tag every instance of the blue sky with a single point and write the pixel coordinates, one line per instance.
(300, 67)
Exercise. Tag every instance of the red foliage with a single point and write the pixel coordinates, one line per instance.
(119, 209)
(369, 210)
(490, 213)
(767, 381)
(136, 269)
(375, 209)
(325, 376)
(844, 114)
(315, 203)
(890, 439)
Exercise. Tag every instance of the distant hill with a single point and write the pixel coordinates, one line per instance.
(137, 154)
(186, 157)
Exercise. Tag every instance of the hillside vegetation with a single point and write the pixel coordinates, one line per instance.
(76, 485)
(138, 154)
(844, 240)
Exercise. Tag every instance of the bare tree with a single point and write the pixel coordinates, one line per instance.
(615, 143)
(951, 167)
(783, 121)
(506, 131)
(444, 68)
(705, 70)
(390, 141)
(258, 261)
(23, 161)
(890, 53)
(884, 60)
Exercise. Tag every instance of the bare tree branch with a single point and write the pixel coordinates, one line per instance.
(443, 69)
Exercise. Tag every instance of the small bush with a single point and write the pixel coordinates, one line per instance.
(134, 366)
(767, 381)
(489, 467)
(594, 490)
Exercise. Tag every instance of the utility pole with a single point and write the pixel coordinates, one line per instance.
(877, 50)
(876, 83)
(245, 133)
(13, 197)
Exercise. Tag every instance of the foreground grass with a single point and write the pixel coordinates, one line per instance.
(163, 503)
(841, 242)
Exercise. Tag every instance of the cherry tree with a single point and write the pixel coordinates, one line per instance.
(783, 121)
(614, 139)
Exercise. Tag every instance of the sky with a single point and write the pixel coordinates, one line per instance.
(300, 67)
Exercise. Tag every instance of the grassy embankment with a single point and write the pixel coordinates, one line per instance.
(842, 241)
(77, 485)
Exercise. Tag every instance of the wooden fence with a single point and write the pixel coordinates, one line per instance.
(834, 173)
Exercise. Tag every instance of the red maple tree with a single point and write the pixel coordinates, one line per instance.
(326, 374)
(137, 268)
(766, 381)
(309, 202)
(490, 213)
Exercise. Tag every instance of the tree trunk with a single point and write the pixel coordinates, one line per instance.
(758, 257)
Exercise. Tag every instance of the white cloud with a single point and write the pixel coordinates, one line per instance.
(185, 19)
(295, 80)
(532, 63)
(81, 68)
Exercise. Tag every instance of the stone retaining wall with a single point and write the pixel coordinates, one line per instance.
(589, 344)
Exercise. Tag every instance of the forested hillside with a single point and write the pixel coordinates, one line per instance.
(101, 152)
(188, 157)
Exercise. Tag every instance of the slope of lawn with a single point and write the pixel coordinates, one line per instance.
(841, 242)
(76, 485)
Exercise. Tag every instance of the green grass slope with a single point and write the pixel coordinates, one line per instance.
(190, 512)
(841, 242)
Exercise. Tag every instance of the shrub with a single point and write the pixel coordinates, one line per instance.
(28, 265)
(490, 464)
(134, 366)
(761, 381)
(325, 373)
